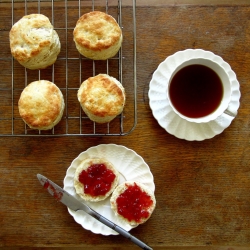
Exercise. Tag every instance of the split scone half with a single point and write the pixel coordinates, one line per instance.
(133, 202)
(95, 179)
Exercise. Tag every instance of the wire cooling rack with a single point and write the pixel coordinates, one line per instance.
(70, 69)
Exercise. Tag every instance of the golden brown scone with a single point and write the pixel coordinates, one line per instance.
(33, 42)
(95, 179)
(133, 202)
(41, 105)
(97, 35)
(102, 98)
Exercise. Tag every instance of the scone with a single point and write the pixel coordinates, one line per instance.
(97, 35)
(41, 105)
(102, 98)
(95, 179)
(133, 202)
(33, 42)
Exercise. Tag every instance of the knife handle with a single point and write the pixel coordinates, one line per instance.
(121, 231)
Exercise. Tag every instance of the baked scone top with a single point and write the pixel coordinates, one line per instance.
(102, 96)
(41, 104)
(96, 31)
(33, 41)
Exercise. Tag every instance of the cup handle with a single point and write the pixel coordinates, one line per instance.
(230, 112)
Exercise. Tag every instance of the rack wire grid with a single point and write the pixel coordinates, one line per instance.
(70, 69)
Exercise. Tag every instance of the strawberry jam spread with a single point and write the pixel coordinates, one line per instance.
(97, 179)
(133, 203)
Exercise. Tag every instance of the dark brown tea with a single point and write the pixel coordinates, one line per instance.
(196, 91)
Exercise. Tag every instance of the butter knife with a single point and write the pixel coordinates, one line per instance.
(67, 199)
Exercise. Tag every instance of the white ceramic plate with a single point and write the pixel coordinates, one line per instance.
(131, 167)
(165, 115)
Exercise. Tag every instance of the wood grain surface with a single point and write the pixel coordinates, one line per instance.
(202, 188)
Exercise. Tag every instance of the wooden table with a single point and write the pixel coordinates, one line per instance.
(202, 188)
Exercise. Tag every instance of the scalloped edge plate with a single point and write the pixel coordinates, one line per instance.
(165, 115)
(131, 167)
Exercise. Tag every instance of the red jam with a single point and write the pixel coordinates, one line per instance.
(97, 179)
(56, 193)
(133, 203)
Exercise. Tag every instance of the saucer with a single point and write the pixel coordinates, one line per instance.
(131, 167)
(168, 119)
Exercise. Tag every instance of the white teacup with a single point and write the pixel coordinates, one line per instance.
(226, 90)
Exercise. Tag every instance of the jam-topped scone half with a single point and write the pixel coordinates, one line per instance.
(95, 179)
(133, 202)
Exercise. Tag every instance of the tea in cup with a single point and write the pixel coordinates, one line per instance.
(199, 90)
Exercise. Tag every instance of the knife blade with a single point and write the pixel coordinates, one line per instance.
(71, 202)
